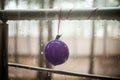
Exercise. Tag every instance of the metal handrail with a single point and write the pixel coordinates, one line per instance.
(51, 14)
(63, 72)
(112, 13)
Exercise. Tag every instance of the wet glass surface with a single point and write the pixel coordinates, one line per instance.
(28, 37)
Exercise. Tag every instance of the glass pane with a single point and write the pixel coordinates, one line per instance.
(84, 38)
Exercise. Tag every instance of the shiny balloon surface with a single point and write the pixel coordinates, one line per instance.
(56, 52)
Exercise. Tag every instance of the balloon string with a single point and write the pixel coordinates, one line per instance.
(59, 17)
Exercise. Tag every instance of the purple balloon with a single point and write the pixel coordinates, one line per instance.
(56, 52)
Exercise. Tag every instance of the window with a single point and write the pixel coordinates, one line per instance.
(27, 39)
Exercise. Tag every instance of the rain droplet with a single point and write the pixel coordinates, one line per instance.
(42, 52)
(41, 44)
(41, 40)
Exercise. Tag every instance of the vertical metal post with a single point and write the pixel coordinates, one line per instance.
(105, 34)
(4, 50)
(41, 62)
(49, 23)
(105, 39)
(91, 56)
(41, 75)
(16, 43)
(2, 4)
(48, 65)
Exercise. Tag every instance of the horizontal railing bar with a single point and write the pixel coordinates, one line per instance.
(112, 13)
(63, 72)
(27, 55)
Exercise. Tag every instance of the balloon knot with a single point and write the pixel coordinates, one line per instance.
(58, 36)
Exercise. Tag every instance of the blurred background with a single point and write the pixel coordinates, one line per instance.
(94, 45)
